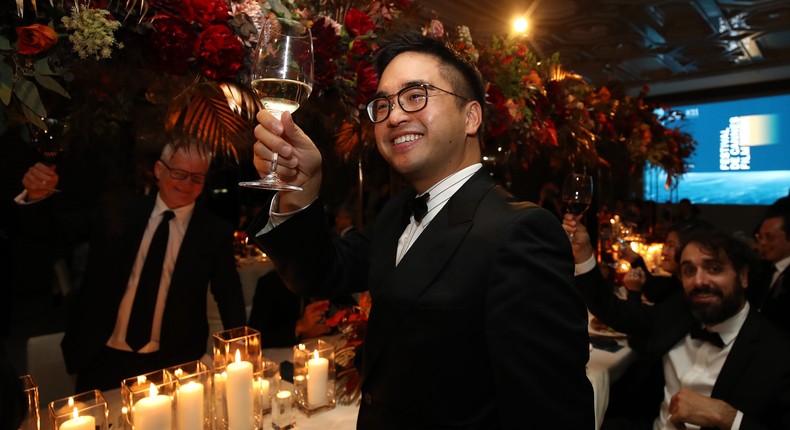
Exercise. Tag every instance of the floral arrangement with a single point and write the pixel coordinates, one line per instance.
(192, 60)
(352, 324)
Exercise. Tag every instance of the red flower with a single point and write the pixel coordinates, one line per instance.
(35, 39)
(170, 47)
(367, 82)
(206, 12)
(219, 53)
(499, 117)
(358, 23)
(325, 51)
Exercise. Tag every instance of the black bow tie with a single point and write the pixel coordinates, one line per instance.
(704, 335)
(418, 207)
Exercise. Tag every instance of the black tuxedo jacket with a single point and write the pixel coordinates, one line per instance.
(774, 305)
(478, 327)
(755, 378)
(206, 257)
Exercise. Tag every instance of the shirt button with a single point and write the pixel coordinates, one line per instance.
(367, 398)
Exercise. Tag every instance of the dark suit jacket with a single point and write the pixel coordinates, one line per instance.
(478, 327)
(206, 256)
(774, 305)
(755, 378)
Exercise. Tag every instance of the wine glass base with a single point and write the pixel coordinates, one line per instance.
(267, 185)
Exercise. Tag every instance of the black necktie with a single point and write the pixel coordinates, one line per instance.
(418, 207)
(138, 332)
(704, 335)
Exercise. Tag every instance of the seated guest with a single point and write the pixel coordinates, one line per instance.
(773, 243)
(142, 305)
(283, 317)
(710, 360)
(641, 284)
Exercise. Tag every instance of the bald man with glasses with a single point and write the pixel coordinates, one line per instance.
(142, 304)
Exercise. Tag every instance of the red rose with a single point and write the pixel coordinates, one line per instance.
(367, 82)
(325, 50)
(206, 12)
(219, 53)
(358, 23)
(35, 38)
(170, 47)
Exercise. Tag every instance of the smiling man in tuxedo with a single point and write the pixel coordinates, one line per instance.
(474, 321)
(709, 360)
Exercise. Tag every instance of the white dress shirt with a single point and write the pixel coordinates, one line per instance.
(438, 195)
(178, 227)
(695, 365)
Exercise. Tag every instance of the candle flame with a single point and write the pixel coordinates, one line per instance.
(301, 347)
(124, 410)
(315, 353)
(141, 380)
(76, 413)
(152, 391)
(71, 401)
(178, 372)
(238, 356)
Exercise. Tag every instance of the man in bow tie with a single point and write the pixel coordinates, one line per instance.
(707, 359)
(772, 297)
(474, 321)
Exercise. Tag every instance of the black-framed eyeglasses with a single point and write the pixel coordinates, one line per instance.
(411, 99)
(181, 175)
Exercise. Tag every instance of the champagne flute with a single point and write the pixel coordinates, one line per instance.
(577, 194)
(282, 78)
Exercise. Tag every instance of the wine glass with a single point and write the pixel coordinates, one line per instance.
(48, 142)
(282, 78)
(577, 194)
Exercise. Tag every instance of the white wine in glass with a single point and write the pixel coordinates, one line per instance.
(282, 78)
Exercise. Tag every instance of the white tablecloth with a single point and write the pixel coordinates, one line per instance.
(604, 368)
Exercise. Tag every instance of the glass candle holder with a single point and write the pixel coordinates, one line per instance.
(283, 414)
(314, 376)
(84, 411)
(193, 395)
(30, 387)
(268, 385)
(149, 400)
(238, 368)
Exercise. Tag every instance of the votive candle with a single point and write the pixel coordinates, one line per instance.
(79, 422)
(153, 412)
(190, 406)
(239, 394)
(317, 379)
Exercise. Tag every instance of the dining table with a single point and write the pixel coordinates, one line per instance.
(603, 368)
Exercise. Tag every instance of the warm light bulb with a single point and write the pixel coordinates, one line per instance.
(520, 25)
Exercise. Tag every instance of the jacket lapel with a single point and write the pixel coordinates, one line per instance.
(739, 357)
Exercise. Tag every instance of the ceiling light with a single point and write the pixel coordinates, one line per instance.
(520, 25)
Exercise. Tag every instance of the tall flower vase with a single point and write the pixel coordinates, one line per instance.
(238, 372)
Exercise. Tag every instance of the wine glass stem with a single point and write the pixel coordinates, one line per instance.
(273, 166)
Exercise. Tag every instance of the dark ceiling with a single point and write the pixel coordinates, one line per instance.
(673, 46)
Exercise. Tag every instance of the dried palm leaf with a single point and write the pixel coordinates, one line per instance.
(204, 113)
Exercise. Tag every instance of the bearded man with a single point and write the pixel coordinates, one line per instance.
(709, 359)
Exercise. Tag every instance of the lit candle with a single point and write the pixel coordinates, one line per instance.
(262, 388)
(317, 379)
(79, 422)
(239, 394)
(190, 406)
(283, 411)
(152, 412)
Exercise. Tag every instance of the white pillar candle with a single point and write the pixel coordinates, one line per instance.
(283, 410)
(262, 388)
(239, 394)
(153, 412)
(79, 422)
(317, 379)
(190, 406)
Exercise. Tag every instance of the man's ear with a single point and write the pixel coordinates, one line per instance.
(157, 170)
(474, 118)
(743, 275)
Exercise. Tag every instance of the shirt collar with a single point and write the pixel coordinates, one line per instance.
(182, 214)
(782, 264)
(729, 328)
